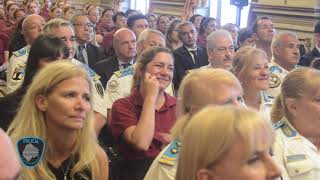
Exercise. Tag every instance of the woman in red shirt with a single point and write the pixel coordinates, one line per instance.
(141, 122)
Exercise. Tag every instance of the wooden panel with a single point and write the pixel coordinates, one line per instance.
(172, 7)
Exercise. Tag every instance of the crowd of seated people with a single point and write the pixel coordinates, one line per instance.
(128, 96)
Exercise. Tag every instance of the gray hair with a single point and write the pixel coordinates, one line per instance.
(55, 23)
(145, 33)
(211, 39)
(277, 39)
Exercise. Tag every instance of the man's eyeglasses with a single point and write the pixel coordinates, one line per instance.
(90, 25)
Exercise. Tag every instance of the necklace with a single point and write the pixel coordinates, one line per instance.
(67, 170)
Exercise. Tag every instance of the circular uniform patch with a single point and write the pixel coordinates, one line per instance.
(274, 81)
(99, 89)
(113, 85)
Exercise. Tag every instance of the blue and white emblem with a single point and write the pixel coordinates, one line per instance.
(30, 150)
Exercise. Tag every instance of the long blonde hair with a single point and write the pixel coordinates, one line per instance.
(30, 121)
(198, 89)
(211, 133)
(297, 83)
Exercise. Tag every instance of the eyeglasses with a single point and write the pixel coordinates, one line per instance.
(90, 25)
(223, 50)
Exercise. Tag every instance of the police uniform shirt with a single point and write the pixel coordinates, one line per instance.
(99, 104)
(16, 68)
(277, 75)
(265, 105)
(120, 83)
(164, 167)
(298, 158)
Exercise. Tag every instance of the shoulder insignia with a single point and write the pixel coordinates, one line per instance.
(124, 72)
(170, 156)
(99, 88)
(278, 124)
(275, 68)
(274, 80)
(19, 71)
(295, 157)
(112, 85)
(21, 52)
(288, 131)
(267, 98)
(92, 74)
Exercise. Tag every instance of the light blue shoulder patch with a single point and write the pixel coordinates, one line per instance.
(278, 124)
(170, 156)
(21, 52)
(91, 72)
(125, 72)
(274, 69)
(267, 98)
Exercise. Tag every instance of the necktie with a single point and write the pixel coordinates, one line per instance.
(80, 55)
(195, 58)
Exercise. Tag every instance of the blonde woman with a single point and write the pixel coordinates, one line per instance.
(198, 89)
(58, 108)
(296, 113)
(227, 143)
(250, 65)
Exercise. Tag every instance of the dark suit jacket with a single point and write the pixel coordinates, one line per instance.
(307, 58)
(183, 61)
(106, 68)
(95, 54)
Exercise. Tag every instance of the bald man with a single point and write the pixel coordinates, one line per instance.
(124, 44)
(9, 164)
(32, 27)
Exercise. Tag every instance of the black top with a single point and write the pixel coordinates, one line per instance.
(66, 168)
(9, 106)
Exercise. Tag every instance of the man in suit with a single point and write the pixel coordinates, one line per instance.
(124, 44)
(189, 56)
(86, 52)
(315, 53)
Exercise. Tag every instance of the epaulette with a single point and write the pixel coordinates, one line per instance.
(275, 68)
(278, 124)
(21, 52)
(124, 72)
(170, 156)
(288, 131)
(267, 98)
(92, 74)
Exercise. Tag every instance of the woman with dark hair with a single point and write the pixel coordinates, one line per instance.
(196, 20)
(43, 50)
(106, 23)
(207, 26)
(141, 122)
(11, 8)
(17, 40)
(172, 40)
(19, 14)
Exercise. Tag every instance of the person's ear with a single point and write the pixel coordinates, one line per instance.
(41, 102)
(204, 174)
(291, 105)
